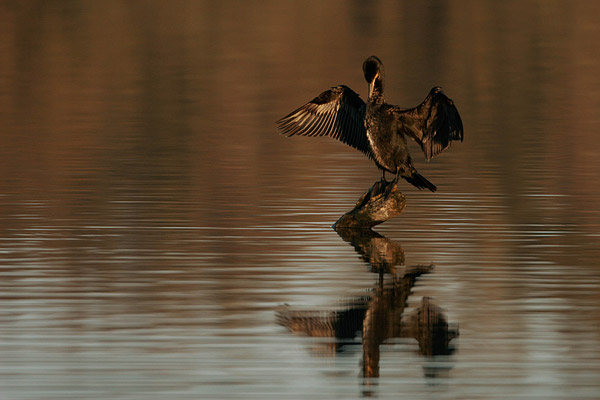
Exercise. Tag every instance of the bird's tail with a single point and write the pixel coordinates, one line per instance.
(419, 181)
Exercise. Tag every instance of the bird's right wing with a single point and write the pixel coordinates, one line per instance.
(433, 124)
(338, 113)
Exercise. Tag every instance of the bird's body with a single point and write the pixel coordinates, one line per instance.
(389, 148)
(377, 128)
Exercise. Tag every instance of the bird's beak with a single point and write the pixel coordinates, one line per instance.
(372, 84)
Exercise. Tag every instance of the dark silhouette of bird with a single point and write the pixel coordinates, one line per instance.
(379, 129)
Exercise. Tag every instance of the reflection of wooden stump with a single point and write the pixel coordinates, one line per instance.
(380, 203)
(379, 252)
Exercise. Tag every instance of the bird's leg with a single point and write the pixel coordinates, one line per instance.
(379, 187)
(392, 184)
(383, 176)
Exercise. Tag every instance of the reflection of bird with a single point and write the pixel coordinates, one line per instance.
(377, 128)
(382, 314)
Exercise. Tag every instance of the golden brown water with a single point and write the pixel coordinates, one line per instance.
(160, 240)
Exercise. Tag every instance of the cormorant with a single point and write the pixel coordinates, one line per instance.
(379, 129)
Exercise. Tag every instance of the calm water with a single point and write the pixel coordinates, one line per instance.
(160, 240)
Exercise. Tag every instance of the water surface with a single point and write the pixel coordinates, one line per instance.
(159, 239)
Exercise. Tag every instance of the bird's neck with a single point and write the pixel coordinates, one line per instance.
(376, 91)
(376, 97)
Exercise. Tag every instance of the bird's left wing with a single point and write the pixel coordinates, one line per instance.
(433, 124)
(338, 113)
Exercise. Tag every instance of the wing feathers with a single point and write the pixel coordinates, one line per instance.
(338, 113)
(433, 124)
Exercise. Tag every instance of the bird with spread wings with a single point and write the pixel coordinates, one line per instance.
(378, 129)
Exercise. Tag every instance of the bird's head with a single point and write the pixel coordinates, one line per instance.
(374, 75)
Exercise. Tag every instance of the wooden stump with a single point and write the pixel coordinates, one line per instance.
(380, 203)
